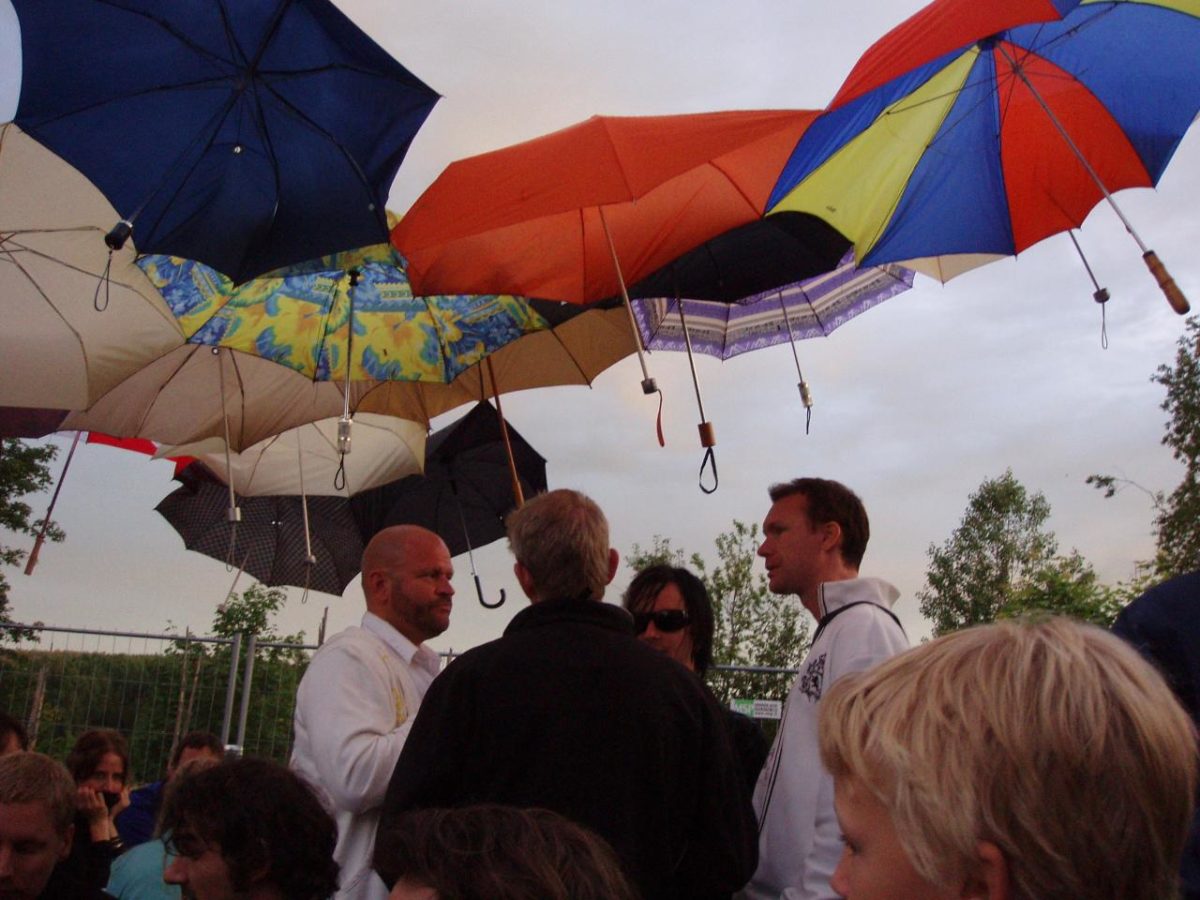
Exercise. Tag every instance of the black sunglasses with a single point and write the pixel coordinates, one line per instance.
(664, 620)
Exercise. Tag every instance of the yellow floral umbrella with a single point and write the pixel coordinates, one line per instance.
(351, 316)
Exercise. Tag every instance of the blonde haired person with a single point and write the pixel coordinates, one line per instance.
(1024, 760)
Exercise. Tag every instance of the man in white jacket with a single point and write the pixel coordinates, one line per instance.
(360, 694)
(814, 537)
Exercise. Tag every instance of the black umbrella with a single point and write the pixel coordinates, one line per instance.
(467, 488)
(269, 540)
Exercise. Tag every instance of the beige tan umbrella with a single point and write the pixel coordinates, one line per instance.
(194, 392)
(306, 460)
(77, 319)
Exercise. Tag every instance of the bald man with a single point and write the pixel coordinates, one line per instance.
(357, 701)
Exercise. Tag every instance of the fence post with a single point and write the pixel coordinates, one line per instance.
(247, 678)
(235, 651)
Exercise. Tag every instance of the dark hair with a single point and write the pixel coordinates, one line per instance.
(832, 501)
(265, 819)
(198, 740)
(493, 852)
(91, 747)
(647, 584)
(12, 725)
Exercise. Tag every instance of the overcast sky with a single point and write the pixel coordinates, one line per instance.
(917, 401)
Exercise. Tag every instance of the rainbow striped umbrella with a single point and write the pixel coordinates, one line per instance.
(994, 140)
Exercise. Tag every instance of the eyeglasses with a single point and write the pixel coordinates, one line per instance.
(667, 620)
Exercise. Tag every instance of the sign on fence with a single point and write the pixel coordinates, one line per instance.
(757, 709)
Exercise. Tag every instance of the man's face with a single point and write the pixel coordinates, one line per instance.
(9, 744)
(874, 864)
(30, 848)
(198, 867)
(792, 548)
(420, 596)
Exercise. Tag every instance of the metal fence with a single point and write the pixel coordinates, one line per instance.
(154, 688)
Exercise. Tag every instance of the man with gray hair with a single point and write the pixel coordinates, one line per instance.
(569, 711)
(37, 815)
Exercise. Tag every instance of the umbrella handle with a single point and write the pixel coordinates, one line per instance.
(484, 603)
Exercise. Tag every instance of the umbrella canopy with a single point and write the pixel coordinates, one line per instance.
(349, 316)
(990, 141)
(307, 460)
(642, 189)
(71, 332)
(269, 540)
(810, 308)
(245, 135)
(466, 490)
(193, 392)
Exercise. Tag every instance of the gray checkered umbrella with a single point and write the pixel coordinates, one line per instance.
(268, 542)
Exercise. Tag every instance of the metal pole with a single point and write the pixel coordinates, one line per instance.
(1166, 283)
(235, 650)
(247, 677)
(41, 535)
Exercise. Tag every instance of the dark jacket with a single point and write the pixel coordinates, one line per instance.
(569, 711)
(135, 824)
(62, 886)
(89, 861)
(1163, 624)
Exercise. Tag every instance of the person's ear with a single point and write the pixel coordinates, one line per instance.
(375, 585)
(614, 563)
(990, 879)
(524, 579)
(68, 839)
(831, 536)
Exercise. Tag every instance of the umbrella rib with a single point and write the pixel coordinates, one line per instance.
(32, 251)
(5, 251)
(171, 30)
(241, 395)
(297, 113)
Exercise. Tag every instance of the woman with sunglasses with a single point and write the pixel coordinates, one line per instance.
(673, 614)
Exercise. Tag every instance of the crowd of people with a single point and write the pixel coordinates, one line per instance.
(580, 755)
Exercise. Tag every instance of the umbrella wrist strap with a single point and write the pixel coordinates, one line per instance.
(709, 461)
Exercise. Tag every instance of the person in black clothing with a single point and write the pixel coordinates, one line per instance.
(99, 763)
(672, 613)
(570, 712)
(1162, 624)
(249, 829)
(37, 808)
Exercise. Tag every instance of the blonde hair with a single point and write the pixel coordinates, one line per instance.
(28, 777)
(561, 537)
(1051, 739)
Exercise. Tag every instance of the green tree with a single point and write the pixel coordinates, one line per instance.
(1177, 522)
(277, 669)
(24, 469)
(1002, 561)
(1067, 585)
(250, 613)
(752, 627)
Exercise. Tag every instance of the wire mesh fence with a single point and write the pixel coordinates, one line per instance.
(154, 688)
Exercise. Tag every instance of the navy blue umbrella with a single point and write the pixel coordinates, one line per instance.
(246, 134)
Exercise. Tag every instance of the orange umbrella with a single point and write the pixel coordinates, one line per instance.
(531, 219)
(577, 214)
